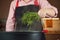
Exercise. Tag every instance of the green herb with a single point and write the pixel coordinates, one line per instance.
(29, 17)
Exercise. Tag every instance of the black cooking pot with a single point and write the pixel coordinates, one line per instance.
(22, 36)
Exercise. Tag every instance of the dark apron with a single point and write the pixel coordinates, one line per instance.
(37, 26)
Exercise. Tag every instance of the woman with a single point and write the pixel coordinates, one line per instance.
(19, 7)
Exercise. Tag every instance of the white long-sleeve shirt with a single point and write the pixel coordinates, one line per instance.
(11, 20)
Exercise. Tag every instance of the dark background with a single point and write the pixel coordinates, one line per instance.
(5, 4)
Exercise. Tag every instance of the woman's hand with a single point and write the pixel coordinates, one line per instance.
(47, 12)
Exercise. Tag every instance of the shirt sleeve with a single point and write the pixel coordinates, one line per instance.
(11, 20)
(46, 4)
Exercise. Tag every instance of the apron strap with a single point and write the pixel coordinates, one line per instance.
(17, 3)
(36, 2)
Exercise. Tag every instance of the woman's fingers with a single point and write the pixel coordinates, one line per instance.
(46, 12)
